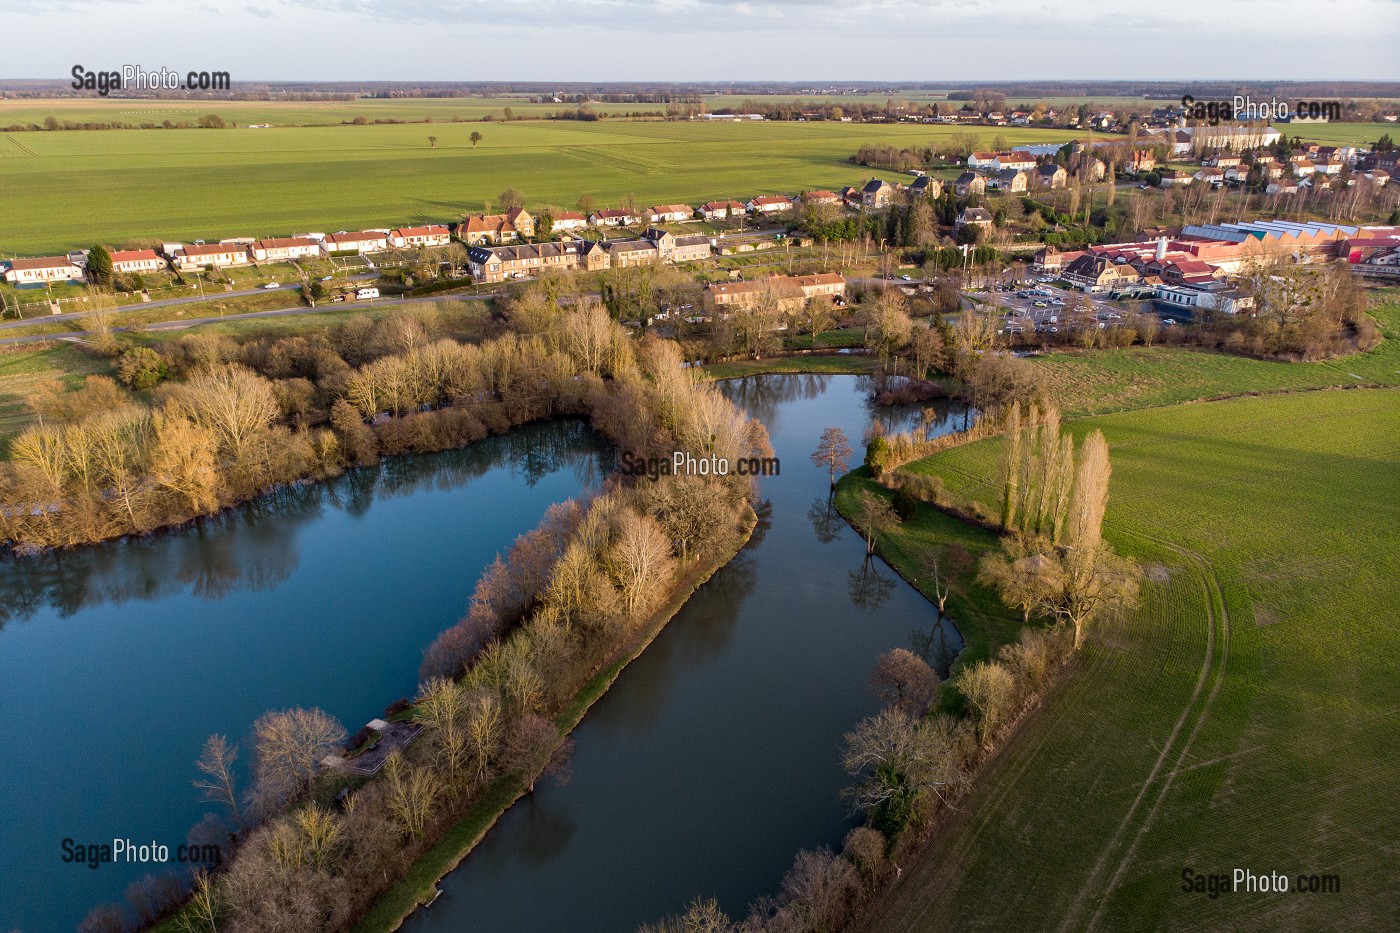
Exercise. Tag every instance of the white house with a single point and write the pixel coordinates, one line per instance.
(361, 241)
(284, 249)
(420, 237)
(671, 213)
(213, 254)
(769, 204)
(43, 269)
(133, 261)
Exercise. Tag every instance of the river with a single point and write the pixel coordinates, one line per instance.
(716, 755)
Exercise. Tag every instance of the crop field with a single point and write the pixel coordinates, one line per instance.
(70, 188)
(1141, 377)
(27, 112)
(1242, 717)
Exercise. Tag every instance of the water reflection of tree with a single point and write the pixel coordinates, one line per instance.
(826, 521)
(763, 396)
(253, 547)
(869, 587)
(939, 646)
(548, 829)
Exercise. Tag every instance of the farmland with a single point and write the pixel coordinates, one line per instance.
(187, 184)
(1141, 377)
(1242, 716)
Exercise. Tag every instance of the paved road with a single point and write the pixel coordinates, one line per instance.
(276, 312)
(194, 298)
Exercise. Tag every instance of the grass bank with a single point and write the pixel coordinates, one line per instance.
(817, 364)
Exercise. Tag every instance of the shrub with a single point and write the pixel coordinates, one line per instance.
(142, 368)
(905, 505)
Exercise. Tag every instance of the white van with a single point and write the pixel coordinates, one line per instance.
(364, 293)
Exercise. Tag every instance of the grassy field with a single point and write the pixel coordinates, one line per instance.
(188, 184)
(23, 372)
(1138, 377)
(1242, 717)
(28, 112)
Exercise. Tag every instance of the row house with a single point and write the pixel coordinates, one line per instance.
(217, 255)
(613, 217)
(625, 254)
(671, 213)
(499, 263)
(285, 249)
(1141, 160)
(359, 241)
(721, 210)
(137, 261)
(565, 221)
(420, 237)
(790, 293)
(678, 249)
(41, 270)
(514, 224)
(769, 204)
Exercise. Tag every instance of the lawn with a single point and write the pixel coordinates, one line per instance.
(821, 364)
(1243, 716)
(208, 184)
(1114, 380)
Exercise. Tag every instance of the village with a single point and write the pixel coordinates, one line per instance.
(1176, 270)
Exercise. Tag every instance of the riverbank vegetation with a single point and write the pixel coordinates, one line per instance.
(499, 688)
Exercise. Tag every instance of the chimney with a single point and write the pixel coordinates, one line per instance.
(1161, 248)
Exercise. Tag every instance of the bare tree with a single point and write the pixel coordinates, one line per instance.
(904, 680)
(290, 745)
(202, 913)
(874, 516)
(412, 794)
(833, 452)
(895, 759)
(216, 763)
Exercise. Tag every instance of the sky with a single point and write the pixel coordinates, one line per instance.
(710, 40)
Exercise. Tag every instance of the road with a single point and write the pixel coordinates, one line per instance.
(275, 312)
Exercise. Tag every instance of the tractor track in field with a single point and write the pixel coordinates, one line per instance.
(1121, 849)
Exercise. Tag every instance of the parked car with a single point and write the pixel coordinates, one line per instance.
(272, 285)
(337, 299)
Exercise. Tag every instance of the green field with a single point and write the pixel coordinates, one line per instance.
(289, 112)
(65, 189)
(1141, 377)
(1243, 716)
